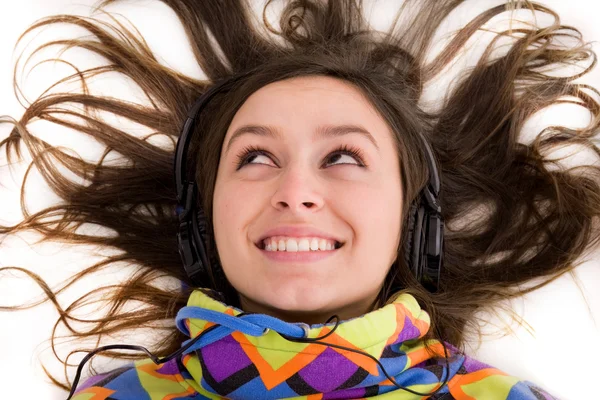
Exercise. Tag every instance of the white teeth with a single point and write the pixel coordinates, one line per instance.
(295, 245)
(291, 245)
(323, 244)
(303, 245)
(314, 244)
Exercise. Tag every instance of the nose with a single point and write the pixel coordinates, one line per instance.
(297, 191)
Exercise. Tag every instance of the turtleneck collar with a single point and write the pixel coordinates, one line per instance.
(252, 362)
(232, 355)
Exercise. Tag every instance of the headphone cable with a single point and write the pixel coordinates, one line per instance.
(316, 340)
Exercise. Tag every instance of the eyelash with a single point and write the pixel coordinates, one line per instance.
(343, 149)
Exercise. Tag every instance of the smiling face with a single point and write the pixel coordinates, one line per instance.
(295, 176)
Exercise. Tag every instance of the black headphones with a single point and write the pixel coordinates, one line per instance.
(424, 249)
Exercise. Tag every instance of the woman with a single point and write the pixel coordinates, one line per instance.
(310, 161)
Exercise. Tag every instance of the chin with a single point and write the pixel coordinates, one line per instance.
(297, 299)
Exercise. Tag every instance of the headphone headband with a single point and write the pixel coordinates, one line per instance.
(183, 197)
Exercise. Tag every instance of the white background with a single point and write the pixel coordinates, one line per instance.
(562, 355)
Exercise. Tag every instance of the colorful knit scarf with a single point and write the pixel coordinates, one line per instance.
(265, 365)
(237, 357)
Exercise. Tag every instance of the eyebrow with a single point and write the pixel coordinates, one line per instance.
(323, 131)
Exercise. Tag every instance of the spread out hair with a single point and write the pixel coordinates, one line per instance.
(529, 218)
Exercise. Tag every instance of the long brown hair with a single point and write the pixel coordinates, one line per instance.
(527, 216)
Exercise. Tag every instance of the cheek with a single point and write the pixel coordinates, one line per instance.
(234, 207)
(379, 206)
(376, 221)
(226, 217)
(227, 208)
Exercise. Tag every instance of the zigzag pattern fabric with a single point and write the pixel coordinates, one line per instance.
(241, 366)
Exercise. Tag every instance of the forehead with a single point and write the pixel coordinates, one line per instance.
(321, 86)
(305, 103)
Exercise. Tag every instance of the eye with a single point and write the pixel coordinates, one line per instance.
(249, 154)
(351, 151)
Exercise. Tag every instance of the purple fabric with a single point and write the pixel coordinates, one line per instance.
(223, 367)
(328, 371)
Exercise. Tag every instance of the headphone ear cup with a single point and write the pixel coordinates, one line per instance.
(187, 249)
(208, 254)
(434, 253)
(408, 245)
(199, 240)
(202, 240)
(416, 241)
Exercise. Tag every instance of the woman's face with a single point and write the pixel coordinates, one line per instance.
(302, 184)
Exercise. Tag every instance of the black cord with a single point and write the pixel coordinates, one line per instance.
(158, 361)
(154, 358)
